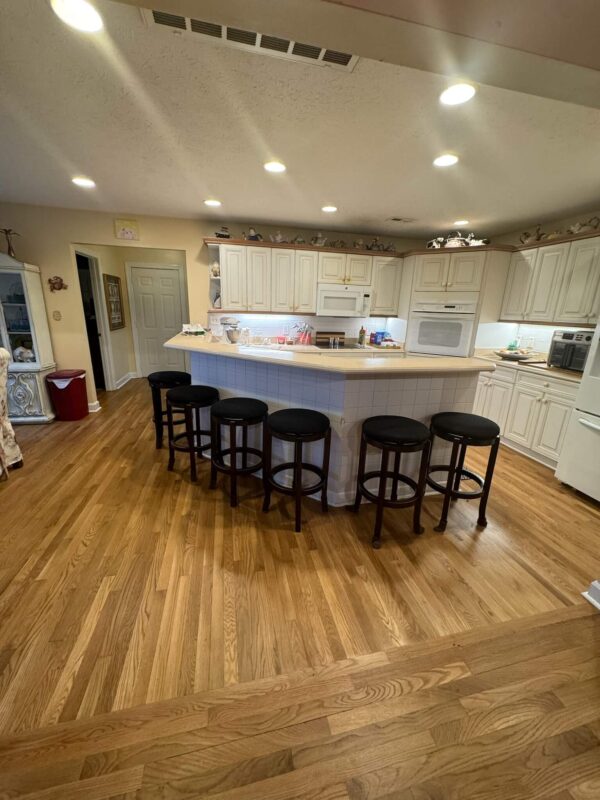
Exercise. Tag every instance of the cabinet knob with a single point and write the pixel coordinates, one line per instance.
(544, 400)
(449, 284)
(546, 385)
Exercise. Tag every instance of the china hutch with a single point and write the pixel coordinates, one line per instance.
(24, 333)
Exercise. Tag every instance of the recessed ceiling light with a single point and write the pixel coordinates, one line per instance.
(445, 160)
(212, 203)
(78, 14)
(329, 209)
(84, 183)
(275, 166)
(461, 222)
(457, 93)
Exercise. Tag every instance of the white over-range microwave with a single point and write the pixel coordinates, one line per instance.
(343, 300)
(442, 323)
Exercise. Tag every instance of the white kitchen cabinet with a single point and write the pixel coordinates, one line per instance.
(431, 272)
(523, 414)
(553, 420)
(547, 278)
(581, 284)
(232, 258)
(258, 278)
(359, 269)
(520, 274)
(282, 280)
(465, 271)
(493, 396)
(305, 281)
(332, 267)
(387, 277)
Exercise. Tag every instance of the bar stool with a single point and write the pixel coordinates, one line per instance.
(300, 426)
(189, 400)
(393, 435)
(235, 412)
(164, 380)
(464, 430)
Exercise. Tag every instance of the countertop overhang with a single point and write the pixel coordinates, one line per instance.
(367, 363)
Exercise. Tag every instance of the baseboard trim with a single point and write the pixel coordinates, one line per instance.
(94, 407)
(125, 379)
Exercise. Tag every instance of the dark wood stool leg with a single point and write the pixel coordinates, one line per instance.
(297, 484)
(215, 450)
(441, 526)
(267, 441)
(245, 446)
(158, 415)
(361, 471)
(422, 482)
(487, 484)
(385, 453)
(326, 453)
(459, 468)
(198, 429)
(396, 473)
(170, 434)
(189, 431)
(233, 499)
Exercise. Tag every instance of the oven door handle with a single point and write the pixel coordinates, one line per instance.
(589, 424)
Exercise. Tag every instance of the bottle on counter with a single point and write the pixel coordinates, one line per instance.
(362, 336)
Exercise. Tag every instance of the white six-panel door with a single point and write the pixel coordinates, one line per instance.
(158, 314)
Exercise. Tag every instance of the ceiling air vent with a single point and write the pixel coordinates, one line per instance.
(242, 37)
(170, 20)
(207, 28)
(251, 41)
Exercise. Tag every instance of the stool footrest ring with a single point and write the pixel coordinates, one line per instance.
(401, 479)
(218, 460)
(184, 448)
(456, 494)
(306, 490)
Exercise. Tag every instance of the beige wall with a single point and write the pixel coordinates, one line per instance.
(548, 226)
(48, 239)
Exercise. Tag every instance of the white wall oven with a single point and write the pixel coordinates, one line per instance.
(442, 323)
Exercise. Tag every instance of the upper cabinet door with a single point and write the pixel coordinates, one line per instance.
(232, 258)
(545, 286)
(259, 278)
(332, 267)
(466, 272)
(580, 284)
(431, 272)
(305, 282)
(518, 283)
(359, 269)
(282, 280)
(387, 276)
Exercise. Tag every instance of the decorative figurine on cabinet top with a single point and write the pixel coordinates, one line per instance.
(253, 236)
(278, 238)
(56, 284)
(223, 233)
(318, 240)
(9, 233)
(299, 239)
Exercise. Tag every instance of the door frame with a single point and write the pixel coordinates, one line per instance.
(129, 267)
(101, 316)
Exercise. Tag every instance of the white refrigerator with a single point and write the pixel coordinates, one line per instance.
(579, 462)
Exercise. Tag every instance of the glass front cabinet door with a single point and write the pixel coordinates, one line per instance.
(24, 333)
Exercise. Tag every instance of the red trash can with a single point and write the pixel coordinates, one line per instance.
(68, 393)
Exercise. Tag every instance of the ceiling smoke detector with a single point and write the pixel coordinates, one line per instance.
(251, 41)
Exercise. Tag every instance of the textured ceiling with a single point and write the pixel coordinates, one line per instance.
(161, 122)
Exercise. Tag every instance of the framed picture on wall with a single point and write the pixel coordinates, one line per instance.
(127, 229)
(114, 301)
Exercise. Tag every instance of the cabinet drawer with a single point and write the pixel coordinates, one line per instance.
(545, 384)
(504, 374)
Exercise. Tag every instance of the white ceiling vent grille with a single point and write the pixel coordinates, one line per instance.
(251, 41)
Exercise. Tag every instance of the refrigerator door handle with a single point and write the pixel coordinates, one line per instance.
(589, 424)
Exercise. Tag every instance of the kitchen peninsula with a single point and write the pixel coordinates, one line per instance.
(348, 386)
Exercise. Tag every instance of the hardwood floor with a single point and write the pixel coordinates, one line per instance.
(123, 585)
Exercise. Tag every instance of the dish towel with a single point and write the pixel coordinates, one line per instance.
(10, 452)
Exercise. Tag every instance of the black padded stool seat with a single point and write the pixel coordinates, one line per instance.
(189, 400)
(464, 426)
(235, 412)
(463, 430)
(396, 430)
(298, 422)
(299, 426)
(393, 435)
(193, 395)
(166, 379)
(239, 408)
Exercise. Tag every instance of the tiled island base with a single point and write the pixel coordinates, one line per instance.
(346, 399)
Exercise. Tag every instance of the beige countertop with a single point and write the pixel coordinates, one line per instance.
(524, 366)
(362, 363)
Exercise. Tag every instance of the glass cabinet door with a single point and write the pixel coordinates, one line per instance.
(16, 318)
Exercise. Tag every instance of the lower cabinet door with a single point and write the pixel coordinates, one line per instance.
(481, 394)
(498, 402)
(523, 415)
(552, 425)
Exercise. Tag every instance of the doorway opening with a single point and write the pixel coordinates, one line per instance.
(92, 325)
